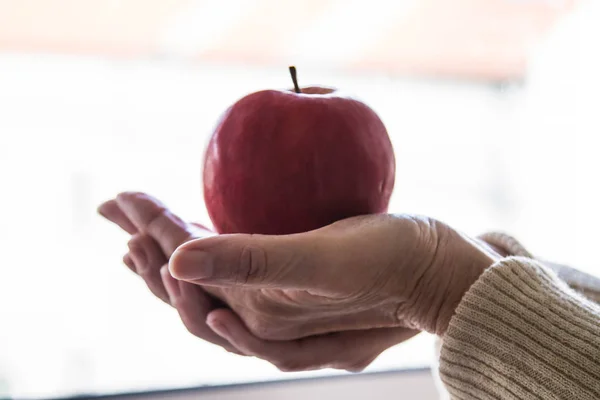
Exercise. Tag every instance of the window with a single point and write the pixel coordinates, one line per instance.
(75, 130)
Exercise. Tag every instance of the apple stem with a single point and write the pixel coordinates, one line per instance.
(295, 79)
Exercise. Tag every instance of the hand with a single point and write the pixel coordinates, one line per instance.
(156, 232)
(365, 272)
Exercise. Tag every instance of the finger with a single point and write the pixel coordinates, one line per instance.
(129, 262)
(112, 212)
(152, 254)
(171, 285)
(299, 261)
(193, 305)
(334, 261)
(351, 350)
(300, 323)
(148, 259)
(153, 218)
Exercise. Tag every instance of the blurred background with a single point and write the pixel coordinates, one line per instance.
(492, 107)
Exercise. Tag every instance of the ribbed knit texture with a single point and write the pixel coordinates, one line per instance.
(579, 281)
(521, 333)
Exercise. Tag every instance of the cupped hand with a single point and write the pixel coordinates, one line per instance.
(156, 232)
(376, 271)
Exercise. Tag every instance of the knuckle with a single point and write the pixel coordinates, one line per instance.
(356, 366)
(292, 365)
(134, 242)
(252, 265)
(156, 223)
(139, 242)
(168, 229)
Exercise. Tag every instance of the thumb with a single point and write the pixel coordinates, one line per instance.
(298, 261)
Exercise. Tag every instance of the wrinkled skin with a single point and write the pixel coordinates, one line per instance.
(335, 297)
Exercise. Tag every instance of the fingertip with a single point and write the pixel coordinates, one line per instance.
(221, 331)
(188, 262)
(100, 209)
(214, 324)
(222, 260)
(225, 323)
(105, 208)
(113, 212)
(174, 262)
(218, 316)
(129, 262)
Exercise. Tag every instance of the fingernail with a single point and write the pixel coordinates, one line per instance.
(192, 264)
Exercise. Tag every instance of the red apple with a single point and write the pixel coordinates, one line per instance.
(283, 162)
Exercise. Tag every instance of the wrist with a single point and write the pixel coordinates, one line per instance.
(471, 259)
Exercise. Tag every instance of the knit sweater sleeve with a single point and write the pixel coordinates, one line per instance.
(581, 282)
(520, 332)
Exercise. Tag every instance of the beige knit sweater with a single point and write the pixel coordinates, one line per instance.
(521, 332)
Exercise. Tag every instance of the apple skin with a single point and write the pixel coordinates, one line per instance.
(281, 162)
